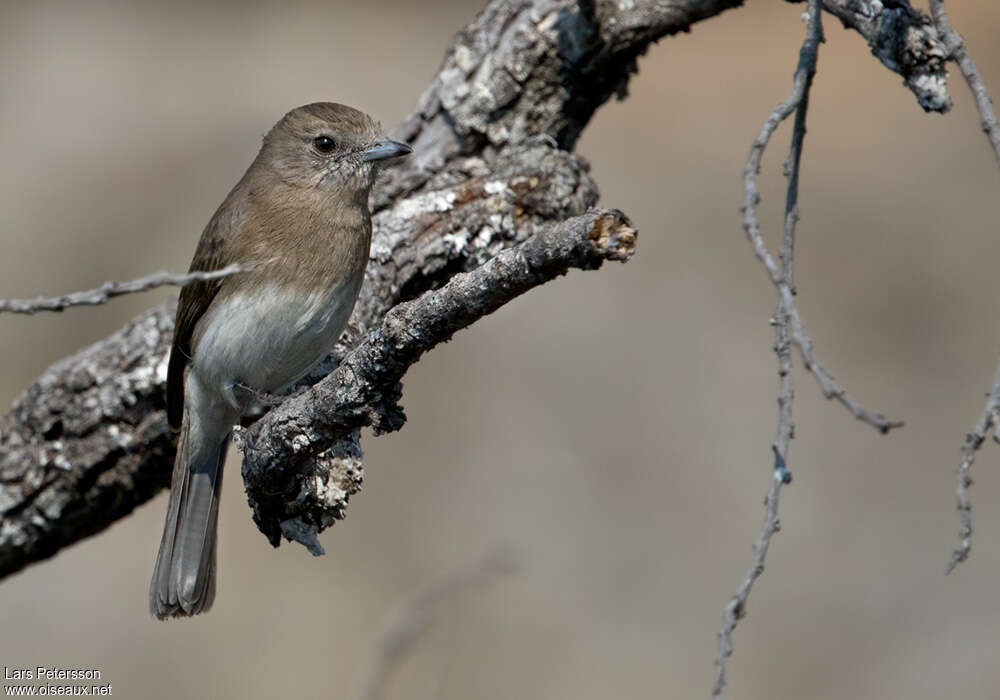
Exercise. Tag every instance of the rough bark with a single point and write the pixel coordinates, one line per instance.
(300, 464)
(491, 168)
(905, 41)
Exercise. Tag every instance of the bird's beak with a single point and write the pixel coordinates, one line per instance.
(386, 149)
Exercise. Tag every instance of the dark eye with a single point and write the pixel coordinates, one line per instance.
(324, 144)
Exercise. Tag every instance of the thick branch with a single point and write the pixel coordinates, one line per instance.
(483, 176)
(285, 452)
(87, 442)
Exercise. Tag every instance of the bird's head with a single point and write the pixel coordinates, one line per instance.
(330, 146)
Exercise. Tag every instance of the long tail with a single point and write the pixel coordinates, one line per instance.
(184, 578)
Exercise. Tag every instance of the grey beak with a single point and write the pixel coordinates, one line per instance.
(386, 149)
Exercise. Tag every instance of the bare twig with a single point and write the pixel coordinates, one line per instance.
(989, 420)
(736, 608)
(991, 413)
(412, 620)
(111, 289)
(782, 320)
(957, 51)
(786, 290)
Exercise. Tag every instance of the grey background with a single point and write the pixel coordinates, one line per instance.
(614, 426)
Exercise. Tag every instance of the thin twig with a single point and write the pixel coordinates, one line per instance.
(956, 48)
(991, 413)
(830, 387)
(109, 290)
(988, 421)
(412, 620)
(783, 320)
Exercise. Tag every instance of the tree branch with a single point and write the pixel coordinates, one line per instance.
(88, 441)
(788, 327)
(286, 468)
(782, 319)
(109, 290)
(783, 283)
(957, 52)
(990, 418)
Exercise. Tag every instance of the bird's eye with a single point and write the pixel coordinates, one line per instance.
(324, 144)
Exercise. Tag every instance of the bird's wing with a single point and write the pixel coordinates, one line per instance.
(212, 254)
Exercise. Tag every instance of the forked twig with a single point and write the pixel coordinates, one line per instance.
(751, 224)
(783, 319)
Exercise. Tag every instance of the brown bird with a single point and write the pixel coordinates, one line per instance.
(298, 227)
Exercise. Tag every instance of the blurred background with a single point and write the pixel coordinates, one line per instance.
(614, 427)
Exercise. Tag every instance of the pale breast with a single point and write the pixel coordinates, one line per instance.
(268, 337)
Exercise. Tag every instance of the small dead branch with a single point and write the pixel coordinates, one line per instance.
(751, 224)
(990, 417)
(782, 320)
(111, 289)
(788, 327)
(988, 421)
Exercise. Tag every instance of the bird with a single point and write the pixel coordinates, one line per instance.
(297, 228)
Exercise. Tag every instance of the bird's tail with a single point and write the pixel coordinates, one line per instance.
(184, 578)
